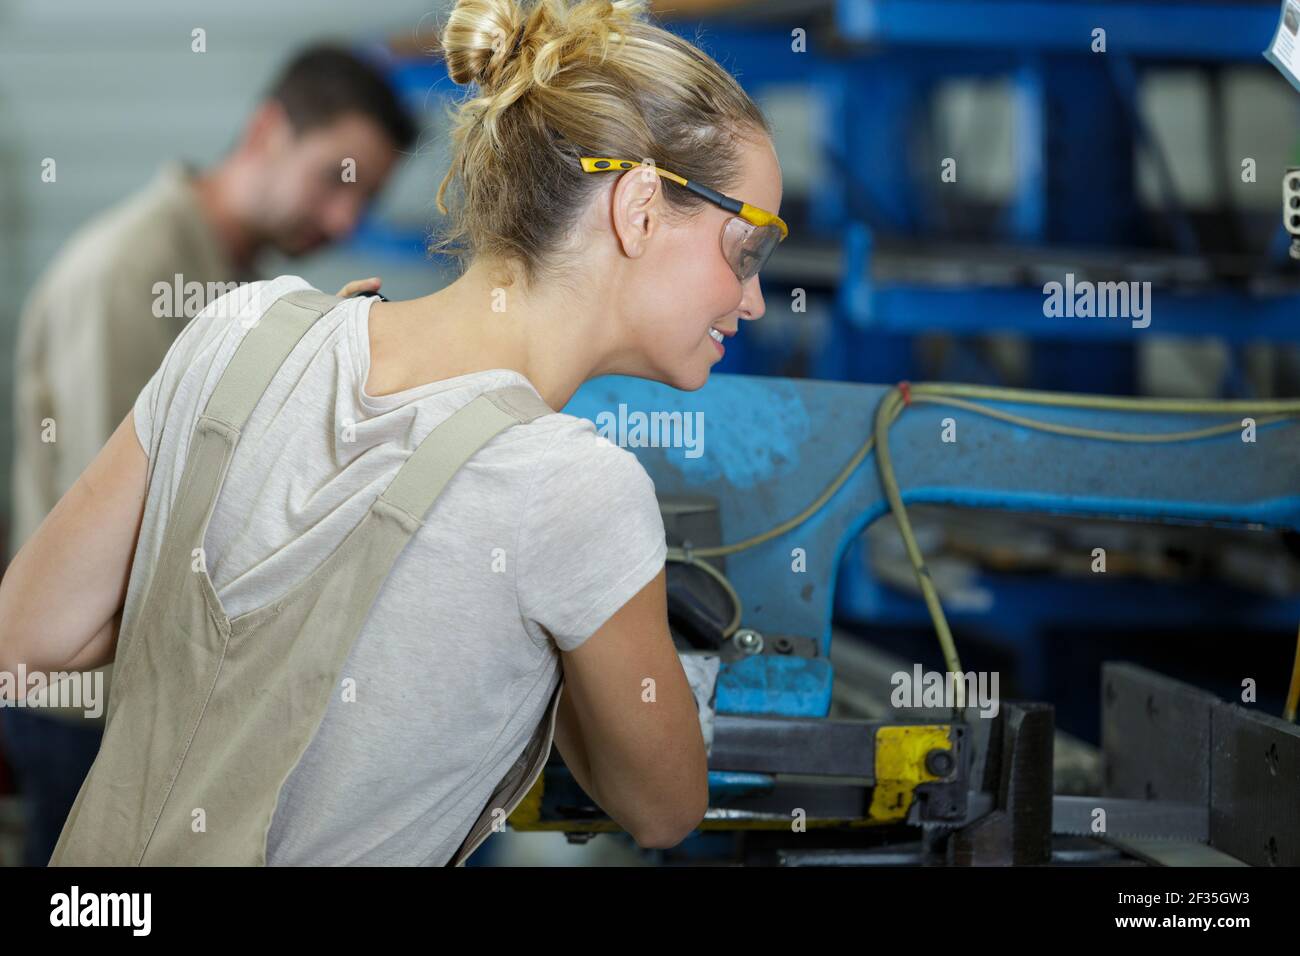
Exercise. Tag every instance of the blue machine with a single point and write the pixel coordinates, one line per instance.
(772, 445)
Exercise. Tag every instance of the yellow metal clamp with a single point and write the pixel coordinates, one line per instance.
(900, 767)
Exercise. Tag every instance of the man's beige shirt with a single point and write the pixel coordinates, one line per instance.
(89, 336)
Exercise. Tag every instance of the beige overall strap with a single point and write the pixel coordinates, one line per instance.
(453, 441)
(245, 378)
(243, 382)
(169, 665)
(263, 351)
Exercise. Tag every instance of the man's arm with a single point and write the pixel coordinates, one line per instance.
(62, 596)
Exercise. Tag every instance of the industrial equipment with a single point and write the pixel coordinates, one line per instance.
(1187, 777)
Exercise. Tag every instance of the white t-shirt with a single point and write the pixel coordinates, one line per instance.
(537, 540)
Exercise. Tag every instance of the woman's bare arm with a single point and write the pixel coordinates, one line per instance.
(62, 595)
(628, 727)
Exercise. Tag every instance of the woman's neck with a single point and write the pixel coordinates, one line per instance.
(480, 322)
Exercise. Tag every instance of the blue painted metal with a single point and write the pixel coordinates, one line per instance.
(771, 445)
(730, 784)
(800, 686)
(978, 310)
(1077, 123)
(1187, 30)
(373, 237)
(1027, 212)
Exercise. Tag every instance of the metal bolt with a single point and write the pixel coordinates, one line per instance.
(939, 763)
(748, 641)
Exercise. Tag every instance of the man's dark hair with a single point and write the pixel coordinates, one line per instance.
(325, 81)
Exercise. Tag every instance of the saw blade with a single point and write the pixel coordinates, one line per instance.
(1123, 817)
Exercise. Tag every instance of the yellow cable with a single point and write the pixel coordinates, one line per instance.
(1094, 433)
(718, 551)
(887, 412)
(1293, 695)
(1192, 406)
(677, 554)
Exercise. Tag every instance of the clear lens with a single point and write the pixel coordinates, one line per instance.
(747, 247)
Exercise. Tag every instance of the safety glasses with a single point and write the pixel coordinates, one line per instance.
(748, 238)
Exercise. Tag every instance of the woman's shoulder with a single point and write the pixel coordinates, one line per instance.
(230, 315)
(573, 446)
(592, 531)
(579, 476)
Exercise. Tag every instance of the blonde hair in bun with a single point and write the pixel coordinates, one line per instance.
(566, 78)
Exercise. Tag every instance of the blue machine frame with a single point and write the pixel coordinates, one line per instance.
(770, 446)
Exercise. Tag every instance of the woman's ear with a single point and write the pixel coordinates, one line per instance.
(634, 208)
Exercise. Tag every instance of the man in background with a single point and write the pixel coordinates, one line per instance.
(100, 319)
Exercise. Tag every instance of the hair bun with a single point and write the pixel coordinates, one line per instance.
(504, 51)
(480, 38)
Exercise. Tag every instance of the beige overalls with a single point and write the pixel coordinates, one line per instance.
(208, 716)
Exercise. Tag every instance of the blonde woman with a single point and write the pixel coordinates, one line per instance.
(593, 168)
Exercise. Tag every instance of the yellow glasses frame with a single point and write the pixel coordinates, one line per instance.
(751, 214)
